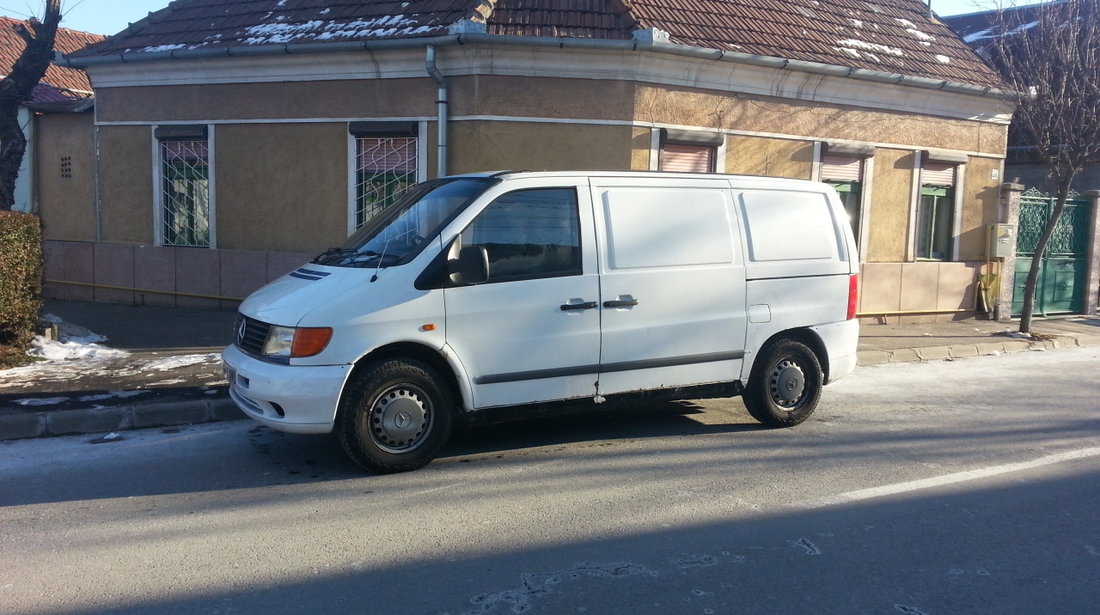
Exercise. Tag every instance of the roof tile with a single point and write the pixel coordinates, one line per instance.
(896, 36)
(67, 41)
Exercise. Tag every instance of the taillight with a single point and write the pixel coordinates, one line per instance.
(853, 296)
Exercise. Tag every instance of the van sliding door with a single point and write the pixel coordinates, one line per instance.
(672, 284)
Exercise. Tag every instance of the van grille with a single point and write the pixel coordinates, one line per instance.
(250, 334)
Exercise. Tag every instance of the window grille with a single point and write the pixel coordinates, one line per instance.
(185, 177)
(385, 167)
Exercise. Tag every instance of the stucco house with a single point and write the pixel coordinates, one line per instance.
(58, 110)
(236, 138)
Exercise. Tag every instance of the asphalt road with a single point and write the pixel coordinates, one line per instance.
(955, 487)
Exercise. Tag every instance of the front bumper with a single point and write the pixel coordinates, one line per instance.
(291, 398)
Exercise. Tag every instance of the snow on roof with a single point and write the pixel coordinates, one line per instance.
(885, 35)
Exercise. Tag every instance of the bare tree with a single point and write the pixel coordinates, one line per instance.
(1050, 55)
(17, 87)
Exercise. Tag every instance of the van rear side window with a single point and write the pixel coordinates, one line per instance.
(785, 226)
(663, 227)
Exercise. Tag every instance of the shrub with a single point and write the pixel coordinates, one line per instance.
(20, 280)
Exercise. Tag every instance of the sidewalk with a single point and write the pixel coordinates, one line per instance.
(169, 372)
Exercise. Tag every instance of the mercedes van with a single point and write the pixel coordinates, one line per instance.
(522, 290)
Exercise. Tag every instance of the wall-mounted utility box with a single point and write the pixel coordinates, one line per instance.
(1002, 240)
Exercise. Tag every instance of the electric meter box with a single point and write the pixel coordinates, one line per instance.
(1002, 240)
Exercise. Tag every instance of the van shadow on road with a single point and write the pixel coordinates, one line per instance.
(582, 424)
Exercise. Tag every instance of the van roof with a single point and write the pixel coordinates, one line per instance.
(510, 174)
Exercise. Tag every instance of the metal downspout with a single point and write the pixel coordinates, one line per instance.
(441, 110)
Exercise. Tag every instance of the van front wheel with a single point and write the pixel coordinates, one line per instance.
(395, 417)
(785, 384)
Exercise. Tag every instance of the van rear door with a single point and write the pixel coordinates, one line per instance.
(672, 283)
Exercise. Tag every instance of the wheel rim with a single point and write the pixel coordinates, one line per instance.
(400, 418)
(787, 384)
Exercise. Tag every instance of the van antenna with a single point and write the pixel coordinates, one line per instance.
(381, 259)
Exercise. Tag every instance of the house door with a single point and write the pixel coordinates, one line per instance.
(1062, 282)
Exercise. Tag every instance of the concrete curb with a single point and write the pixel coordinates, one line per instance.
(20, 424)
(961, 351)
(17, 424)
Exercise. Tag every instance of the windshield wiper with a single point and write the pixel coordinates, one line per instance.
(349, 257)
(332, 256)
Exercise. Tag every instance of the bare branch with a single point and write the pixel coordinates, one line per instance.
(1050, 54)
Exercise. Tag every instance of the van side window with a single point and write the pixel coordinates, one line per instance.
(528, 234)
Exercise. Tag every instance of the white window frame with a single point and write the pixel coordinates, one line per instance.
(158, 186)
(866, 189)
(958, 188)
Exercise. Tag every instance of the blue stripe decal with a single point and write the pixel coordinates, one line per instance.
(309, 274)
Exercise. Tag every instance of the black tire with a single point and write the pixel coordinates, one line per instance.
(396, 416)
(785, 384)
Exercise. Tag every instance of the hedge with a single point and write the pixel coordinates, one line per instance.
(20, 277)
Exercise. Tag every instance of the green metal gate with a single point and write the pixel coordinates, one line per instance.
(1062, 283)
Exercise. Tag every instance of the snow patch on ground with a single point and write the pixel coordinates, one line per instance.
(74, 342)
(170, 363)
(44, 401)
(79, 353)
(57, 351)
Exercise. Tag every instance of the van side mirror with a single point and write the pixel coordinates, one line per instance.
(471, 266)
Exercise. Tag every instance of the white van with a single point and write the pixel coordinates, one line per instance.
(513, 289)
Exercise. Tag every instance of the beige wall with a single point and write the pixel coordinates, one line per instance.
(772, 157)
(126, 183)
(312, 99)
(488, 146)
(66, 197)
(891, 200)
(682, 106)
(281, 187)
(979, 209)
(542, 97)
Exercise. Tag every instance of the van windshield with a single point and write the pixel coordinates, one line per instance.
(397, 234)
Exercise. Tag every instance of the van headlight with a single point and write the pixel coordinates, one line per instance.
(294, 342)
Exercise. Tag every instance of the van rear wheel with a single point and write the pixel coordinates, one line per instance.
(396, 416)
(785, 384)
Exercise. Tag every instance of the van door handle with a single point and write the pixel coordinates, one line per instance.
(624, 301)
(587, 305)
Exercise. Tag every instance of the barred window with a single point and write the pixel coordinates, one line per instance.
(385, 165)
(185, 186)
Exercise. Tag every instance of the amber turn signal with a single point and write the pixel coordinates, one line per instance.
(309, 341)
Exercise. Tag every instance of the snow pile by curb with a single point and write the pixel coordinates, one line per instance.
(75, 343)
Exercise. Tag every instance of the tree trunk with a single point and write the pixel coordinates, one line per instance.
(1040, 249)
(13, 145)
(16, 88)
